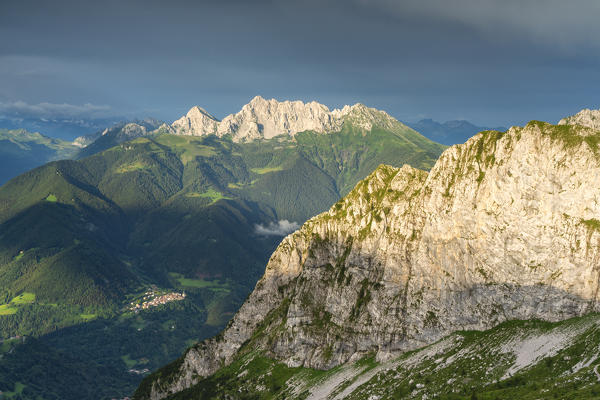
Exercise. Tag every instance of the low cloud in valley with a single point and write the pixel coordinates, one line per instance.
(282, 227)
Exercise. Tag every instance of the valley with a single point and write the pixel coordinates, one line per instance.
(174, 213)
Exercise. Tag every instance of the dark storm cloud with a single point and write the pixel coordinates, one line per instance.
(551, 22)
(493, 62)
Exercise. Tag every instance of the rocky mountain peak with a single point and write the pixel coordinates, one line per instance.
(265, 119)
(505, 226)
(197, 111)
(269, 118)
(585, 117)
(196, 122)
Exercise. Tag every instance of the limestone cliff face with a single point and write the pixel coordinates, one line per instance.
(585, 117)
(265, 119)
(505, 226)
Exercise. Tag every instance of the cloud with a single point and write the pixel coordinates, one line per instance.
(553, 22)
(280, 228)
(21, 109)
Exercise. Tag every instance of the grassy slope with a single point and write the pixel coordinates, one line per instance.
(515, 360)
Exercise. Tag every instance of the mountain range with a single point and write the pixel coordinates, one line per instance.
(59, 127)
(504, 227)
(259, 119)
(266, 119)
(151, 212)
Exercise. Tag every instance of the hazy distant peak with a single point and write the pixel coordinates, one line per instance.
(86, 140)
(585, 117)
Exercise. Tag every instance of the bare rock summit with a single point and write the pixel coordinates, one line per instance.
(265, 119)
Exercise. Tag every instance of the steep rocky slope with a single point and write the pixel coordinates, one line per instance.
(265, 119)
(506, 226)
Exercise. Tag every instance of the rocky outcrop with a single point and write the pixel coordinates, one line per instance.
(585, 117)
(505, 226)
(265, 119)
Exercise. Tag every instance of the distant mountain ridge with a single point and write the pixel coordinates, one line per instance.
(449, 132)
(265, 119)
(259, 119)
(21, 150)
(61, 128)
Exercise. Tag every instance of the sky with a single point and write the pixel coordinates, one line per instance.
(490, 62)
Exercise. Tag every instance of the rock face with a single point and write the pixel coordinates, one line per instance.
(196, 122)
(585, 117)
(505, 226)
(265, 119)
